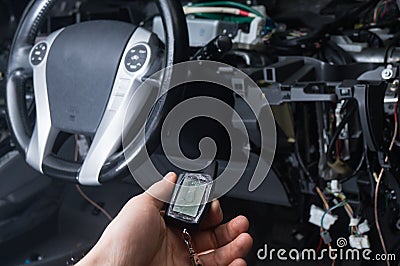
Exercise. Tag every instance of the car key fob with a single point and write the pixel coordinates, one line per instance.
(191, 198)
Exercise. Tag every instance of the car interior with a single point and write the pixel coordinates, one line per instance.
(328, 70)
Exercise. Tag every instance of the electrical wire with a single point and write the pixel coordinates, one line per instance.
(360, 163)
(380, 10)
(240, 13)
(83, 194)
(323, 198)
(229, 4)
(235, 19)
(326, 205)
(223, 10)
(378, 181)
(378, 227)
(342, 124)
(358, 168)
(347, 207)
(396, 126)
(231, 11)
(86, 197)
(320, 243)
(375, 17)
(385, 8)
(349, 210)
(340, 204)
(350, 213)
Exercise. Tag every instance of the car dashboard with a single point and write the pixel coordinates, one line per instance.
(330, 73)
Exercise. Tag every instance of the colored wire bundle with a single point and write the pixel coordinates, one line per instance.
(380, 10)
(231, 11)
(222, 10)
(231, 5)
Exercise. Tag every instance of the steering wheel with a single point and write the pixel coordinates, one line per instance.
(83, 76)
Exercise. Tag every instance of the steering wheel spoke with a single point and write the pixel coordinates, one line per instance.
(44, 134)
(135, 64)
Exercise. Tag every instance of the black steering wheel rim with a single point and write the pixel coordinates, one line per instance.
(19, 69)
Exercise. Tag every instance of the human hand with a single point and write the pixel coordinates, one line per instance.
(139, 235)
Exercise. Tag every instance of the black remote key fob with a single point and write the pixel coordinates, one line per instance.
(191, 198)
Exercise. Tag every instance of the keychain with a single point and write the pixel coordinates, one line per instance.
(189, 204)
(194, 258)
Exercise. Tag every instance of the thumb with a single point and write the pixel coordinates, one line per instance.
(161, 191)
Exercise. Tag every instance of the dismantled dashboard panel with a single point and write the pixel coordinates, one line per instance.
(331, 76)
(329, 70)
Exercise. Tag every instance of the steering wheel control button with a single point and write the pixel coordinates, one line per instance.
(38, 53)
(135, 58)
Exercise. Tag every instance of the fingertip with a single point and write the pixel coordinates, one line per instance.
(244, 243)
(160, 192)
(246, 238)
(171, 177)
(215, 204)
(240, 224)
(228, 254)
(243, 219)
(238, 262)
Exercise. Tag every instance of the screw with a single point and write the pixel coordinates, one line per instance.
(387, 73)
(394, 86)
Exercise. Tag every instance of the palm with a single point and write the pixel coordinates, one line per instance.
(139, 236)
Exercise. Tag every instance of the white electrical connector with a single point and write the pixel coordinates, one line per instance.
(354, 221)
(359, 242)
(336, 187)
(253, 37)
(316, 215)
(363, 228)
(202, 31)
